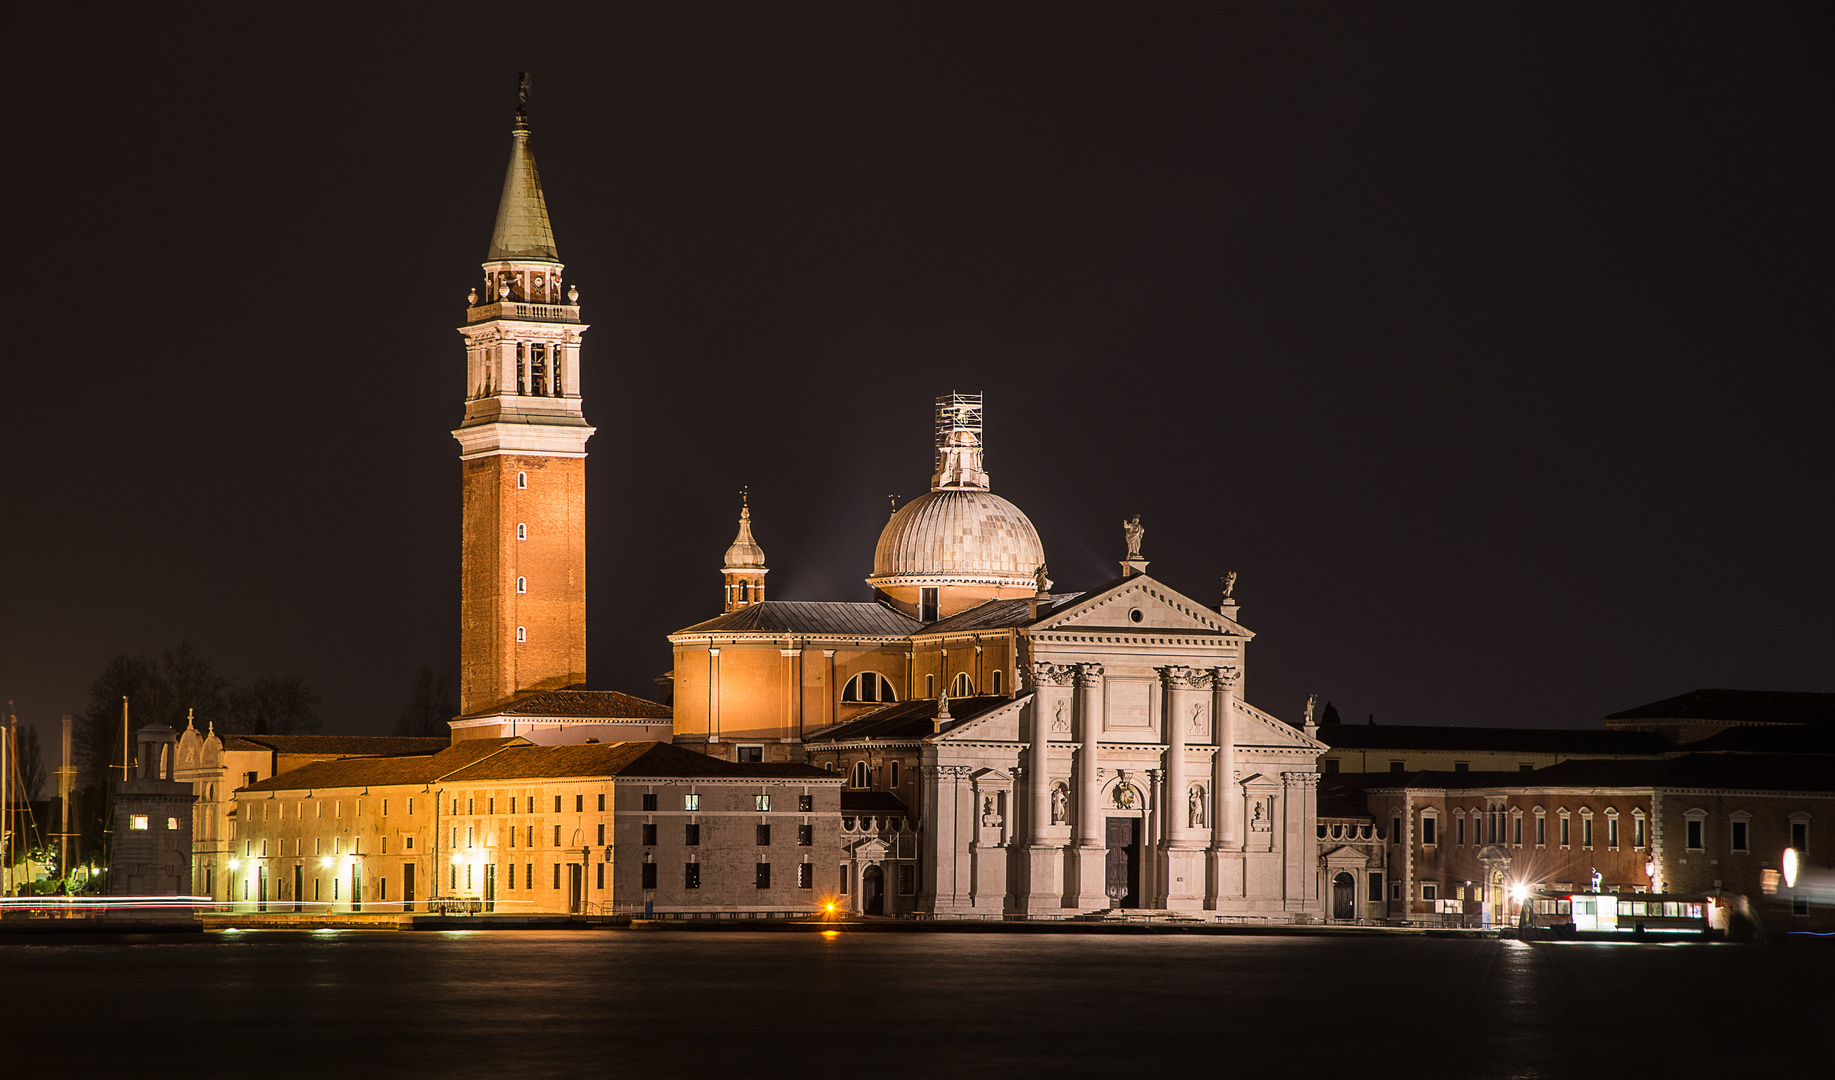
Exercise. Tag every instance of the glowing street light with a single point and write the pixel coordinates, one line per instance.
(1790, 867)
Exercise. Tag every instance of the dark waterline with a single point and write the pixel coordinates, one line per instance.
(355, 1003)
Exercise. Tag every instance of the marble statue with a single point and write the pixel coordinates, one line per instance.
(1060, 804)
(1195, 808)
(1229, 584)
(1135, 532)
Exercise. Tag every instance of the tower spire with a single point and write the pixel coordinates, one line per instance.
(523, 232)
(745, 563)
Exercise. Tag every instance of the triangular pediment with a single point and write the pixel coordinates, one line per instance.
(1256, 728)
(1140, 604)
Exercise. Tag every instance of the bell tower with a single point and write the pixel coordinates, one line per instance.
(522, 454)
(744, 571)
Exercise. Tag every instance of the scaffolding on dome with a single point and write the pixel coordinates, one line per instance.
(958, 412)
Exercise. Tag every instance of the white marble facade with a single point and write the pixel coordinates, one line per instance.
(1099, 785)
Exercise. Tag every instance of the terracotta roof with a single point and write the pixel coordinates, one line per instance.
(634, 759)
(1500, 740)
(577, 704)
(1738, 707)
(908, 720)
(872, 802)
(337, 745)
(369, 771)
(1750, 772)
(810, 617)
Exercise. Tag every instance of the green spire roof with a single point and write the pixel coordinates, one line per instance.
(522, 230)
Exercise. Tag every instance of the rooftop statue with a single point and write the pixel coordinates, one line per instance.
(1135, 532)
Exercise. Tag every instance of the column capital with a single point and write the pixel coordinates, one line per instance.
(1180, 677)
(1226, 677)
(1045, 673)
(1088, 674)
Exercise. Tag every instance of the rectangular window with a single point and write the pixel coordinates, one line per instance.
(601, 840)
(471, 806)
(1428, 829)
(843, 889)
(691, 876)
(1637, 832)
(649, 876)
(805, 835)
(1516, 830)
(650, 801)
(1586, 832)
(1459, 830)
(385, 808)
(1541, 832)
(1739, 836)
(764, 836)
(455, 806)
(491, 805)
(557, 875)
(1462, 766)
(602, 802)
(1430, 891)
(1327, 766)
(512, 836)
(928, 602)
(691, 802)
(512, 885)
(1694, 834)
(750, 755)
(1376, 885)
(806, 875)
(557, 836)
(1395, 830)
(407, 843)
(382, 888)
(1800, 835)
(1395, 766)
(1564, 834)
(649, 836)
(579, 804)
(528, 875)
(137, 822)
(907, 879)
(599, 876)
(410, 806)
(764, 875)
(763, 802)
(531, 805)
(805, 803)
(385, 846)
(691, 834)
(1611, 832)
(1525, 767)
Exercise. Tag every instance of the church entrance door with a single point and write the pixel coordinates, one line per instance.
(1344, 897)
(1124, 860)
(873, 891)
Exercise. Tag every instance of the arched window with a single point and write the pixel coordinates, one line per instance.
(860, 774)
(745, 591)
(894, 774)
(522, 634)
(930, 686)
(522, 531)
(869, 686)
(995, 679)
(962, 685)
(522, 479)
(522, 584)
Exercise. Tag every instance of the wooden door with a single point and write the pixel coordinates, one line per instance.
(407, 887)
(1123, 861)
(1344, 897)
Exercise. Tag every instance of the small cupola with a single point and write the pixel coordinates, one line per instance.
(745, 570)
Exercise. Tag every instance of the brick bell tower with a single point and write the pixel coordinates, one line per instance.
(522, 453)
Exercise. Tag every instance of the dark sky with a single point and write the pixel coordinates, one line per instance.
(1491, 347)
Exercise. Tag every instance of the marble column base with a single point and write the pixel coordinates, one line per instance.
(1089, 867)
(1044, 880)
(1224, 885)
(1182, 876)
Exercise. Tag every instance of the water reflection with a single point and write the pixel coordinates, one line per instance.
(675, 1004)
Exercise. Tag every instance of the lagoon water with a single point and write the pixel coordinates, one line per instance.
(641, 1004)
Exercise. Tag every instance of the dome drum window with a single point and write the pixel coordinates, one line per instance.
(869, 687)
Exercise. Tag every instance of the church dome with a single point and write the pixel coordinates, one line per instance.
(966, 536)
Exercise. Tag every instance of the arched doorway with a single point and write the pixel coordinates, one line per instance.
(873, 891)
(1344, 896)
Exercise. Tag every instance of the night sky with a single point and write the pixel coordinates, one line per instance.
(1490, 347)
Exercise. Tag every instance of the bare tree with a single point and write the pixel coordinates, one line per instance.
(435, 702)
(274, 705)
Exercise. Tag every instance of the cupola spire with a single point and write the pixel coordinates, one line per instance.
(745, 563)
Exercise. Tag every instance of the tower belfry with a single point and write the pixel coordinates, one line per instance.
(522, 449)
(744, 570)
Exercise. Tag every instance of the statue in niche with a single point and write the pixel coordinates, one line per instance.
(1195, 808)
(1124, 796)
(1058, 720)
(990, 812)
(1060, 804)
(1258, 817)
(1134, 531)
(1229, 585)
(1197, 719)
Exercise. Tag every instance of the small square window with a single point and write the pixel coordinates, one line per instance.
(1462, 766)
(763, 802)
(650, 802)
(649, 835)
(602, 802)
(137, 822)
(1430, 891)
(805, 803)
(691, 802)
(172, 824)
(750, 755)
(1395, 766)
(691, 835)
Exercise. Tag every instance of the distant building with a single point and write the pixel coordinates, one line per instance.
(1700, 714)
(1455, 842)
(149, 854)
